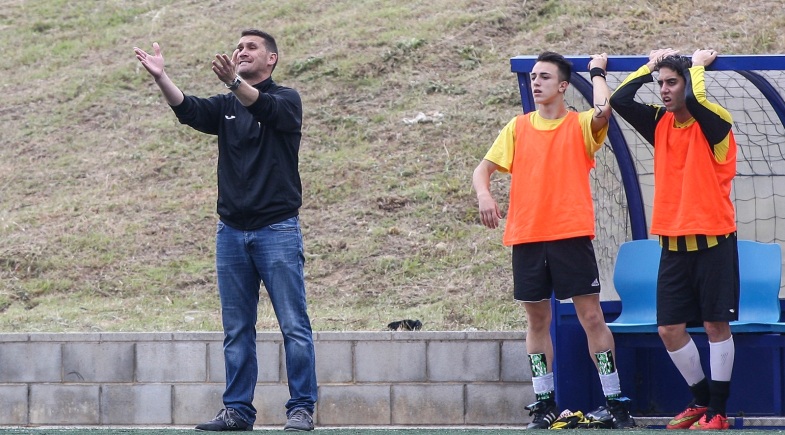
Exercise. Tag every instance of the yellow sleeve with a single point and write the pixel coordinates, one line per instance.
(503, 149)
(715, 121)
(593, 142)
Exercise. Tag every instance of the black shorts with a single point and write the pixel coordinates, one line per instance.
(566, 268)
(699, 286)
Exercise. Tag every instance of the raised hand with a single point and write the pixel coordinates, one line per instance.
(598, 61)
(225, 68)
(154, 64)
(703, 57)
(656, 55)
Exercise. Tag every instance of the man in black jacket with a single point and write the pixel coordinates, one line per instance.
(258, 240)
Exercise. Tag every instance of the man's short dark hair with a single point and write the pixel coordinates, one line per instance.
(564, 65)
(269, 41)
(677, 63)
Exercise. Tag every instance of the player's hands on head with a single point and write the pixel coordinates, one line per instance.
(703, 57)
(656, 55)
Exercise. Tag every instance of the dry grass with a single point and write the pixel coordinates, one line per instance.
(107, 204)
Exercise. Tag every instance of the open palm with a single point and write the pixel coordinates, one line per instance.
(154, 64)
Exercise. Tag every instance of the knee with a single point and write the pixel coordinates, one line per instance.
(592, 320)
(538, 316)
(538, 324)
(717, 331)
(666, 331)
(296, 328)
(590, 312)
(674, 337)
(595, 318)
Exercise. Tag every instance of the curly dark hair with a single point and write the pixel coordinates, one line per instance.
(677, 63)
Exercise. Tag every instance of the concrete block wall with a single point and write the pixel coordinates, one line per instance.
(365, 378)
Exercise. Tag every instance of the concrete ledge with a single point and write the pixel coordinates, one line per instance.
(177, 378)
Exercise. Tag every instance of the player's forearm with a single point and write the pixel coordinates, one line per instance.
(602, 95)
(642, 117)
(715, 120)
(246, 94)
(173, 95)
(481, 179)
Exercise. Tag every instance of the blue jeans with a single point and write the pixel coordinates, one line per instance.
(272, 255)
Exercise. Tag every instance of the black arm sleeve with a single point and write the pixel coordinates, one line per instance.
(281, 108)
(714, 121)
(201, 114)
(642, 117)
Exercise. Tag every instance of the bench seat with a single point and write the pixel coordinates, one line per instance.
(635, 279)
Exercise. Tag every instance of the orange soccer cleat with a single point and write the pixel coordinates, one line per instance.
(711, 421)
(686, 418)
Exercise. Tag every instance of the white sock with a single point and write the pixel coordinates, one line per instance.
(721, 357)
(688, 361)
(610, 384)
(543, 384)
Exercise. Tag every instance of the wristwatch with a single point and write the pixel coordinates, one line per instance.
(234, 84)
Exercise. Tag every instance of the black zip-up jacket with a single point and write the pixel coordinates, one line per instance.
(258, 177)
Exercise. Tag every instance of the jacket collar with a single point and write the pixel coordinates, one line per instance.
(265, 84)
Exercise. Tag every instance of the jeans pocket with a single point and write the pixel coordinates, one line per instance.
(290, 224)
(220, 226)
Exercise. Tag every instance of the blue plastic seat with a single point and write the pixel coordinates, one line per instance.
(760, 272)
(635, 279)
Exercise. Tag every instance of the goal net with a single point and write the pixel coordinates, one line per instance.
(752, 88)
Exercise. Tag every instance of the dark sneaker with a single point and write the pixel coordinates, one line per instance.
(686, 418)
(299, 420)
(227, 419)
(620, 410)
(544, 413)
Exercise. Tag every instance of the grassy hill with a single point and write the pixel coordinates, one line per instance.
(107, 204)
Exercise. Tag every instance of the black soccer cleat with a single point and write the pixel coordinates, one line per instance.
(620, 409)
(544, 413)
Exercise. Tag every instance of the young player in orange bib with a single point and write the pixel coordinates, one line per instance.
(694, 167)
(550, 223)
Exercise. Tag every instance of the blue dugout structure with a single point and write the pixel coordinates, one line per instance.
(648, 376)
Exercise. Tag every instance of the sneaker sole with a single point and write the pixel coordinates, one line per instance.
(686, 422)
(681, 426)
